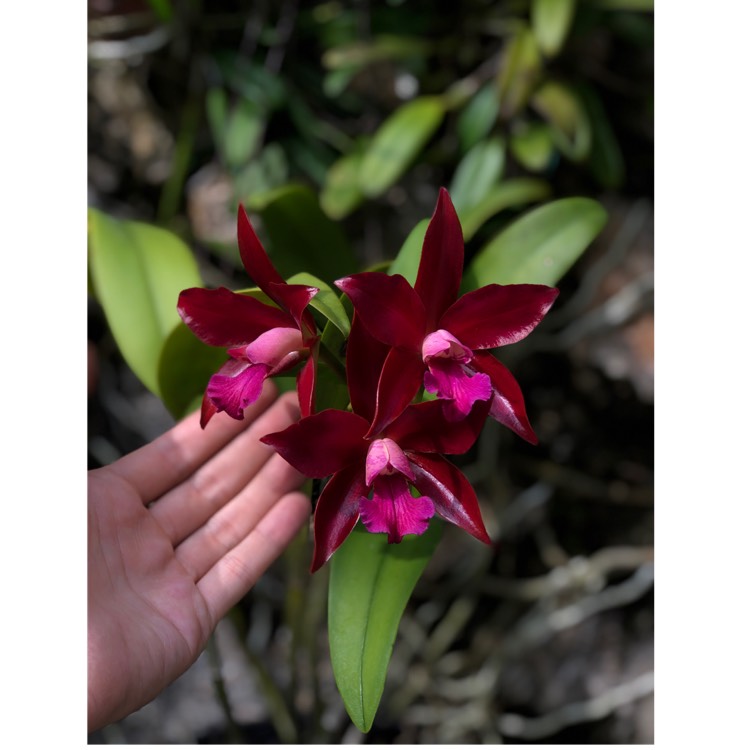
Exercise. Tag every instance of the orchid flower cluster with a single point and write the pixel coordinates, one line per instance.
(385, 454)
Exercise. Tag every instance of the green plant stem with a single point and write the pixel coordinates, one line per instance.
(234, 735)
(327, 356)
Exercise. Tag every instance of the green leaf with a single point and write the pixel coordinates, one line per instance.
(539, 247)
(397, 142)
(605, 160)
(138, 271)
(533, 146)
(477, 172)
(301, 235)
(341, 191)
(244, 129)
(519, 72)
(551, 20)
(370, 585)
(478, 117)
(571, 129)
(185, 366)
(326, 301)
(509, 194)
(407, 260)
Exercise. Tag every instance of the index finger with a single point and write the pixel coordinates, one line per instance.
(171, 458)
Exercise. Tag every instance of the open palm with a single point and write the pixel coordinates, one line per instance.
(178, 532)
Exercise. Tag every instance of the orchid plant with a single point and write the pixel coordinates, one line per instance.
(416, 379)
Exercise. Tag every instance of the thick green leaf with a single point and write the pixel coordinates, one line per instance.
(370, 585)
(478, 117)
(561, 107)
(550, 20)
(519, 72)
(185, 366)
(533, 146)
(407, 260)
(138, 271)
(244, 129)
(509, 194)
(301, 235)
(476, 173)
(341, 191)
(397, 142)
(326, 301)
(539, 247)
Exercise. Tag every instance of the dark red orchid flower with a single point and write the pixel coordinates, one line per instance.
(261, 340)
(440, 341)
(407, 453)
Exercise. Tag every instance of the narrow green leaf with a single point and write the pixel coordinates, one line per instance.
(341, 191)
(407, 260)
(243, 131)
(398, 141)
(509, 194)
(370, 585)
(301, 235)
(571, 129)
(551, 20)
(478, 116)
(326, 301)
(519, 72)
(477, 172)
(539, 247)
(605, 160)
(138, 271)
(185, 366)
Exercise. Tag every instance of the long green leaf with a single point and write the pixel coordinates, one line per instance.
(341, 192)
(539, 247)
(519, 72)
(185, 365)
(301, 235)
(509, 194)
(138, 271)
(407, 261)
(477, 172)
(370, 585)
(398, 141)
(571, 128)
(326, 301)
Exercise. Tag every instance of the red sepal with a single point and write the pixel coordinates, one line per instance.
(451, 492)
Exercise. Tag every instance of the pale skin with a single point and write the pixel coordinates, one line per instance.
(178, 532)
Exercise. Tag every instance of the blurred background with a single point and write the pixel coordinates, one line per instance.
(547, 637)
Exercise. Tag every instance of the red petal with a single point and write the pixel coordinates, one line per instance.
(364, 361)
(294, 298)
(442, 263)
(450, 491)
(399, 382)
(507, 406)
(219, 317)
(208, 409)
(336, 512)
(496, 315)
(323, 443)
(254, 257)
(306, 387)
(425, 429)
(390, 309)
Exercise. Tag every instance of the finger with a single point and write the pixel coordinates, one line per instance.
(237, 571)
(232, 523)
(188, 506)
(157, 467)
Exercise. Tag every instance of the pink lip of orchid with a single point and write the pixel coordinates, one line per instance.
(438, 339)
(407, 453)
(261, 340)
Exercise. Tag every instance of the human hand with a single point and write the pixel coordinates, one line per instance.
(178, 532)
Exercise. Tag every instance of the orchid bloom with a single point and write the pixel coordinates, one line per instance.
(407, 453)
(439, 340)
(261, 340)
